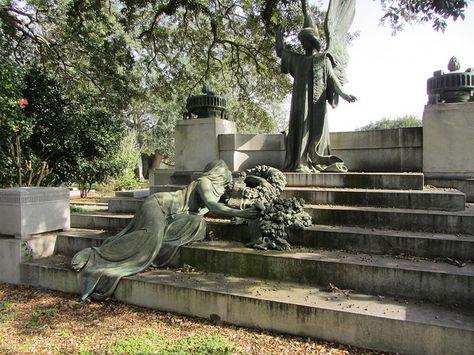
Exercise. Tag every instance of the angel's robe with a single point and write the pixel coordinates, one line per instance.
(307, 142)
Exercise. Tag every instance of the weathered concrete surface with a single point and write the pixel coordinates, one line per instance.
(364, 240)
(362, 320)
(70, 242)
(133, 193)
(391, 181)
(398, 149)
(466, 186)
(374, 274)
(124, 204)
(416, 199)
(100, 220)
(448, 140)
(14, 251)
(460, 222)
(196, 142)
(31, 210)
(160, 176)
(244, 151)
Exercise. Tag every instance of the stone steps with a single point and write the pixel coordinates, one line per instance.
(376, 274)
(388, 181)
(459, 222)
(409, 199)
(100, 220)
(418, 220)
(365, 240)
(373, 274)
(124, 204)
(370, 321)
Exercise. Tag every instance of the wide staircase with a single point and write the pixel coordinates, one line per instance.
(387, 265)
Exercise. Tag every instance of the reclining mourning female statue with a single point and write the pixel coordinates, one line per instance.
(163, 223)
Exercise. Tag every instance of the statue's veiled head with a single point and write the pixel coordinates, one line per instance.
(218, 174)
(308, 37)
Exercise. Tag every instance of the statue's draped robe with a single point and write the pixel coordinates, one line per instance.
(161, 225)
(307, 142)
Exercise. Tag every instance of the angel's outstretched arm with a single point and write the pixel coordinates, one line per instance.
(308, 22)
(279, 45)
(337, 84)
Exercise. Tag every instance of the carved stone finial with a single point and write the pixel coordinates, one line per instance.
(455, 86)
(207, 90)
(454, 64)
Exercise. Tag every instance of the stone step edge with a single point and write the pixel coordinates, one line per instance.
(435, 333)
(455, 250)
(419, 265)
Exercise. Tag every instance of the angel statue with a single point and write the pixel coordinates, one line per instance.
(318, 77)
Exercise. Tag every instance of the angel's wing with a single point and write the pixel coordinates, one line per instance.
(338, 21)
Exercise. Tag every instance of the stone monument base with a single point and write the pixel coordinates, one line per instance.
(28, 215)
(448, 143)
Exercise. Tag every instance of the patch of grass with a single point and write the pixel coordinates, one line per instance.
(6, 314)
(40, 317)
(5, 305)
(76, 209)
(148, 343)
(198, 345)
(64, 332)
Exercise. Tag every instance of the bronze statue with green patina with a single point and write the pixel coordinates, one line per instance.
(318, 78)
(162, 224)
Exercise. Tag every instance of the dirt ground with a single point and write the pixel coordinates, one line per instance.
(37, 321)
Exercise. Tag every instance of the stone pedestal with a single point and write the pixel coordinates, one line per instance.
(27, 214)
(31, 210)
(244, 151)
(196, 142)
(448, 140)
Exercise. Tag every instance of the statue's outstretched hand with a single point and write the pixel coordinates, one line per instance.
(249, 213)
(349, 98)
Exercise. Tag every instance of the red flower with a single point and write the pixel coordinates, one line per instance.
(23, 102)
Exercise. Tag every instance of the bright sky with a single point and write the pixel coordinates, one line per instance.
(388, 73)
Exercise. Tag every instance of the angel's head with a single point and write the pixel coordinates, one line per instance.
(308, 37)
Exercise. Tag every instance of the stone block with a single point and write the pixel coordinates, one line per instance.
(383, 150)
(244, 151)
(33, 210)
(196, 142)
(448, 143)
(133, 193)
(161, 177)
(14, 251)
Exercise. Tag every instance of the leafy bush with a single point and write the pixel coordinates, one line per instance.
(387, 123)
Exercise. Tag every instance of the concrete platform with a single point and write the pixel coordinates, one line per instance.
(390, 181)
(413, 199)
(375, 322)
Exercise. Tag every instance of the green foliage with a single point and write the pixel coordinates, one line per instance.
(147, 344)
(416, 11)
(40, 318)
(150, 343)
(200, 345)
(387, 123)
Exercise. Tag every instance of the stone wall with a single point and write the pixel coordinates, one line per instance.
(383, 150)
(386, 150)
